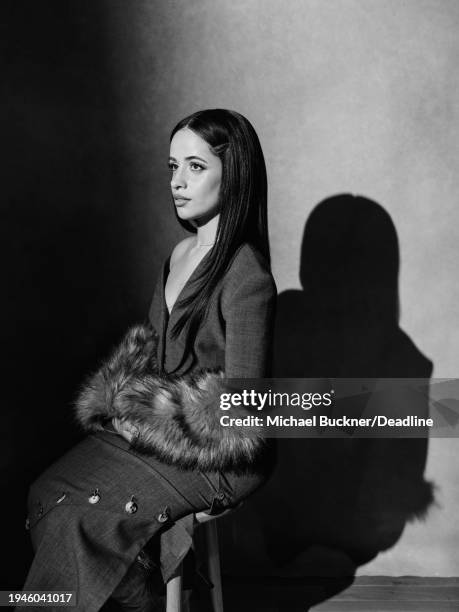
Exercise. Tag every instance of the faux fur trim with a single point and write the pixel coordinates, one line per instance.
(177, 419)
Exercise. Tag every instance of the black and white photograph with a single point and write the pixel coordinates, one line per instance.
(231, 317)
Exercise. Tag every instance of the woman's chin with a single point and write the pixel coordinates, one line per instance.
(184, 214)
(189, 215)
(197, 218)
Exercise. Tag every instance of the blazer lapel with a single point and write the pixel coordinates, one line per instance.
(176, 360)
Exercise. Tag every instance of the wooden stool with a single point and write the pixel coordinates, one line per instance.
(174, 600)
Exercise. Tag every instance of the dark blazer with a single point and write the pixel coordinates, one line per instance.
(237, 333)
(88, 546)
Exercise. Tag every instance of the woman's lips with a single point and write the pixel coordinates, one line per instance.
(181, 201)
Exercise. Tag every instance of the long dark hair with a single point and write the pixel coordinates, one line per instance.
(243, 204)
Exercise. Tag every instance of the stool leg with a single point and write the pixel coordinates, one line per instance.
(174, 592)
(213, 561)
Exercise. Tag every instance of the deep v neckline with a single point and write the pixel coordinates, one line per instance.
(166, 272)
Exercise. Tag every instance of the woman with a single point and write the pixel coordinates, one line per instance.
(157, 453)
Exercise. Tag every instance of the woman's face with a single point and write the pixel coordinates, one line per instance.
(196, 176)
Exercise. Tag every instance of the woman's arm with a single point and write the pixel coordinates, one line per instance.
(176, 419)
(249, 313)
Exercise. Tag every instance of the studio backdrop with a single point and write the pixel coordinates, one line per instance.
(348, 97)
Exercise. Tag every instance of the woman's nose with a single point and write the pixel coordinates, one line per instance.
(178, 179)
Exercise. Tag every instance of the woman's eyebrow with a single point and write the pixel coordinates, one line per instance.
(196, 157)
(190, 157)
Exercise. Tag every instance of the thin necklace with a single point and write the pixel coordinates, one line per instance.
(201, 245)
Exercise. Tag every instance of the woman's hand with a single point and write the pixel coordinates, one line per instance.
(125, 429)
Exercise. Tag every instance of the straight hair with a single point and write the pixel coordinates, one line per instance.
(243, 205)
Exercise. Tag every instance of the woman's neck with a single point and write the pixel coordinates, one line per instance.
(206, 233)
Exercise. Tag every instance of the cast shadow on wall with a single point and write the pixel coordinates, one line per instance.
(334, 504)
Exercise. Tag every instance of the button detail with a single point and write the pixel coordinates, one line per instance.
(163, 516)
(131, 507)
(220, 496)
(94, 498)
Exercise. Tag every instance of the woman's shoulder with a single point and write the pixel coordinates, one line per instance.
(248, 260)
(249, 268)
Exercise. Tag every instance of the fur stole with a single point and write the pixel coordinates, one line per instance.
(176, 419)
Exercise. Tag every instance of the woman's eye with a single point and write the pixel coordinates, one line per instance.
(172, 166)
(196, 167)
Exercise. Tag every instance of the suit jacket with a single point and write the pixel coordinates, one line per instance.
(237, 333)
